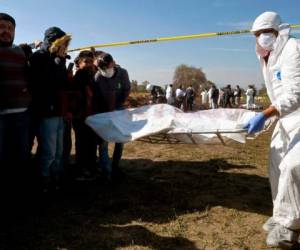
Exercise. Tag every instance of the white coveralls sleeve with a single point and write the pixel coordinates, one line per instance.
(289, 101)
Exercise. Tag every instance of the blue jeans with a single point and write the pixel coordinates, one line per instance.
(104, 161)
(117, 155)
(104, 157)
(14, 143)
(50, 139)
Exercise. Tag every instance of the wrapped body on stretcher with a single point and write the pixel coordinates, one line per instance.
(165, 123)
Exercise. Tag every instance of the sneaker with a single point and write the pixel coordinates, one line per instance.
(282, 237)
(269, 224)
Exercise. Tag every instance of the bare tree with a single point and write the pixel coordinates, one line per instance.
(188, 75)
(134, 86)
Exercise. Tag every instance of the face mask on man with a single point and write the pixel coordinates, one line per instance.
(108, 73)
(266, 40)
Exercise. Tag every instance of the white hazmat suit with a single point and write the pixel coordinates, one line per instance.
(282, 78)
(250, 98)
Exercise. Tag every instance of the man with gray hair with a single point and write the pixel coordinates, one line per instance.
(279, 56)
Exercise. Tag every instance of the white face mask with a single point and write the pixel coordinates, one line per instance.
(266, 40)
(108, 73)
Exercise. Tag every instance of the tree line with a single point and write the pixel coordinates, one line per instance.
(184, 76)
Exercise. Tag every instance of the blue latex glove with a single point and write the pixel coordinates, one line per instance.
(256, 123)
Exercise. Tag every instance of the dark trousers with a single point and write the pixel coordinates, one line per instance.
(117, 155)
(67, 142)
(14, 142)
(190, 102)
(118, 151)
(85, 145)
(227, 101)
(14, 156)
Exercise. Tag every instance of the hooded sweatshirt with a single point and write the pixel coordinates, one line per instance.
(48, 77)
(111, 93)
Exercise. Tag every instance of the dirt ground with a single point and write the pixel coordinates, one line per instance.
(173, 197)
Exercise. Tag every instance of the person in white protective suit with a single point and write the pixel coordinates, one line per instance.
(170, 93)
(250, 97)
(279, 55)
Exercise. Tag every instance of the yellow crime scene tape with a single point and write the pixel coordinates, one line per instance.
(171, 38)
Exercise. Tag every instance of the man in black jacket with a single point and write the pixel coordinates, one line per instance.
(49, 78)
(112, 87)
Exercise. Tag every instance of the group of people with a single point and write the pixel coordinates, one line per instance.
(41, 98)
(179, 97)
(227, 97)
(213, 98)
(220, 97)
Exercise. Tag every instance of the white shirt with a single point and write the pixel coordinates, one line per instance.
(179, 93)
(169, 92)
(204, 95)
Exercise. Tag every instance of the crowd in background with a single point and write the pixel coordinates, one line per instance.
(212, 98)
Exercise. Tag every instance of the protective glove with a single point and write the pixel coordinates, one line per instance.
(256, 123)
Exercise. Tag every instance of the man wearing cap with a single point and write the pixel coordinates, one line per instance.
(14, 102)
(49, 78)
(112, 87)
(279, 56)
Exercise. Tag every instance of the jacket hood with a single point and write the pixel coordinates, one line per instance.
(54, 35)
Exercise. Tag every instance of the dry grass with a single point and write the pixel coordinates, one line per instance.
(173, 197)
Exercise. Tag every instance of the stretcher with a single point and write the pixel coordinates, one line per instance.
(165, 124)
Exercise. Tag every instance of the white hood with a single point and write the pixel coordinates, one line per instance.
(270, 20)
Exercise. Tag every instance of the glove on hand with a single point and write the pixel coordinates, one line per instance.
(256, 123)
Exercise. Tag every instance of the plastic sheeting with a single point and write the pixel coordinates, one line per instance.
(197, 127)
